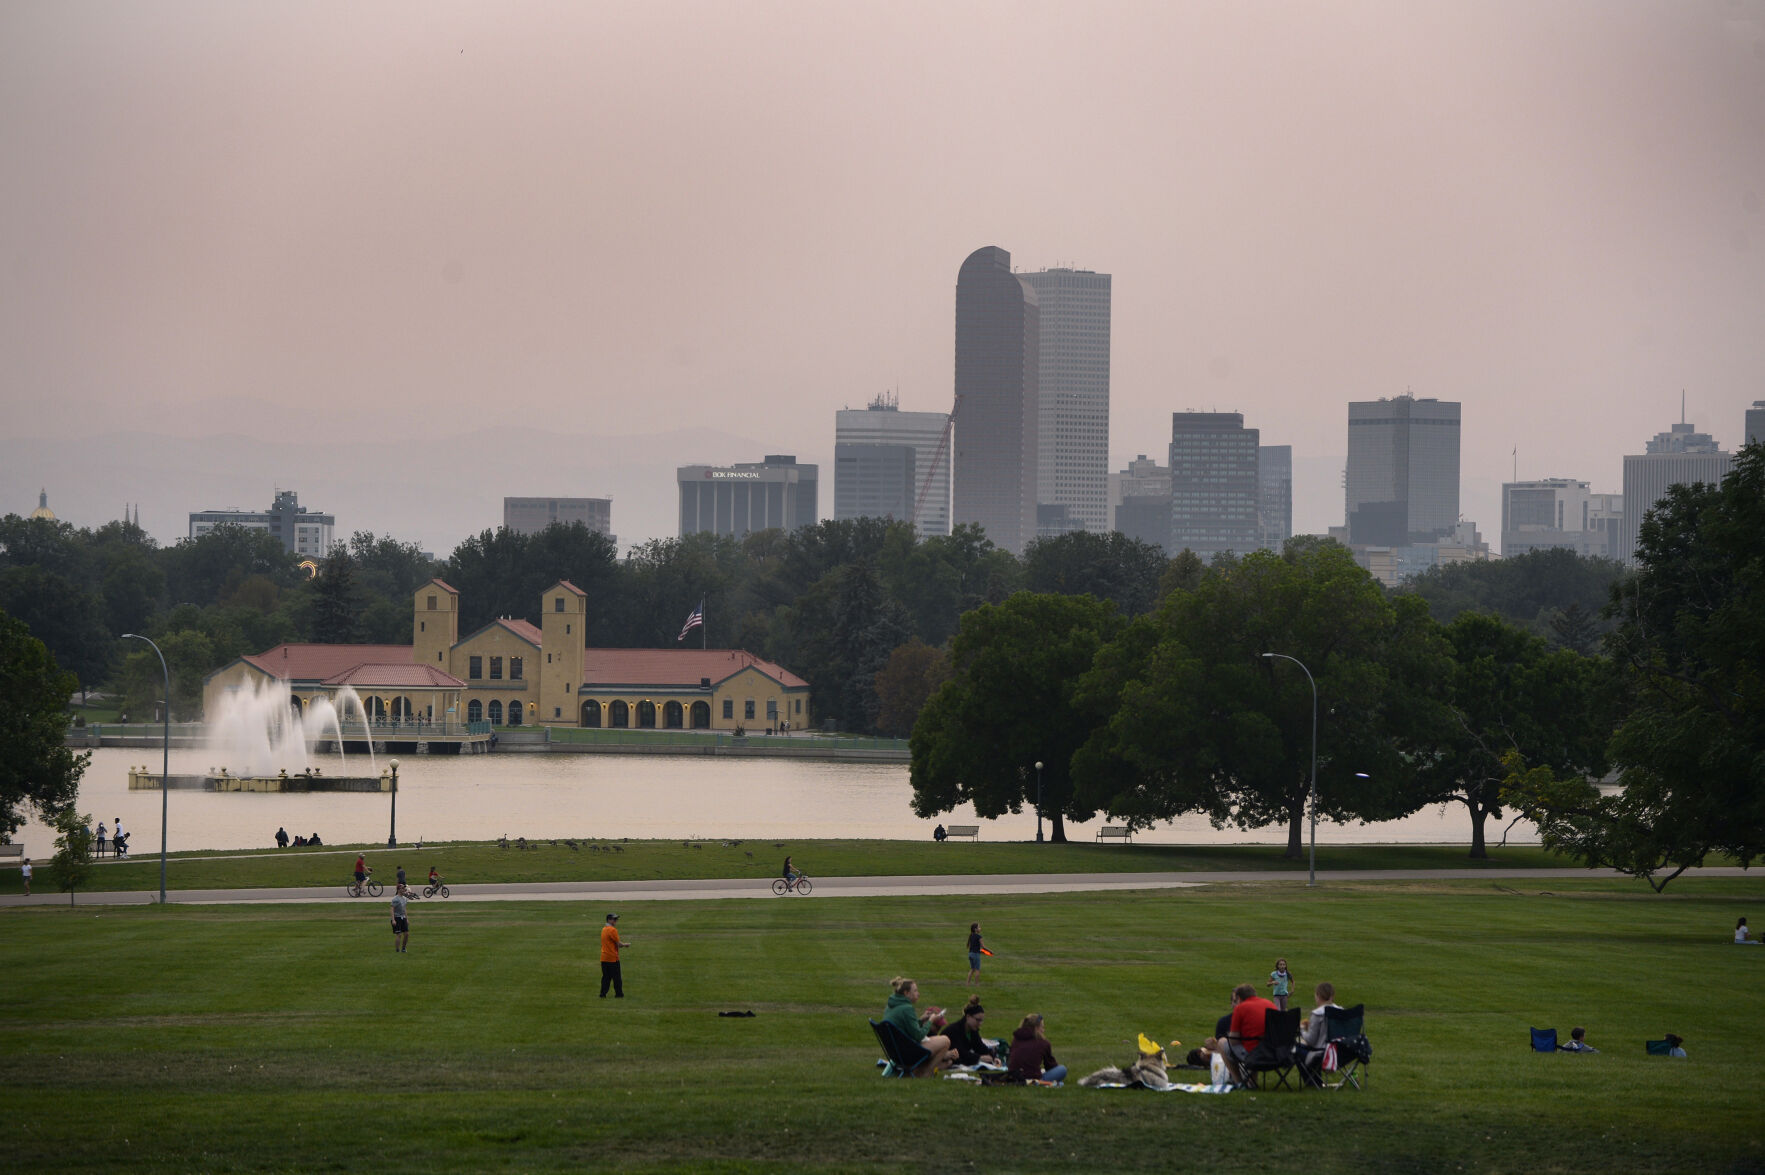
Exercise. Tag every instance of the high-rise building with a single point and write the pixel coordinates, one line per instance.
(1140, 499)
(1072, 427)
(738, 499)
(1680, 456)
(1403, 471)
(532, 515)
(1274, 496)
(301, 531)
(1552, 512)
(1214, 484)
(1755, 428)
(998, 362)
(867, 461)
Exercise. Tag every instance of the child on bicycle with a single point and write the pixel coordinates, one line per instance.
(434, 878)
(790, 874)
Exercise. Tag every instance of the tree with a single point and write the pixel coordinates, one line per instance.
(1508, 692)
(1689, 654)
(35, 768)
(1109, 566)
(914, 672)
(72, 862)
(1530, 590)
(1008, 705)
(337, 605)
(1197, 719)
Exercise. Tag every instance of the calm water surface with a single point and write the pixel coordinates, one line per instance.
(480, 797)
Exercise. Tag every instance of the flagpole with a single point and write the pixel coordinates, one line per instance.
(704, 629)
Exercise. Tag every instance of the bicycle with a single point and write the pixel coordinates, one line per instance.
(369, 888)
(430, 891)
(801, 885)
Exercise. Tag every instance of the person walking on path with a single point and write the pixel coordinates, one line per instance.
(974, 954)
(610, 946)
(1281, 984)
(116, 837)
(26, 870)
(401, 923)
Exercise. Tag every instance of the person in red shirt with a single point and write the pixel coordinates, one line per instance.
(1248, 1013)
(610, 944)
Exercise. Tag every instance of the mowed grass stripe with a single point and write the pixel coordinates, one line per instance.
(283, 1038)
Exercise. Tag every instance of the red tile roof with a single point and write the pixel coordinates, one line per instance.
(522, 629)
(405, 676)
(566, 584)
(317, 662)
(445, 586)
(676, 667)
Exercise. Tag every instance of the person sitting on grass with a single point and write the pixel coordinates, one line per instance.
(1742, 936)
(1032, 1057)
(904, 993)
(1578, 1042)
(1210, 1057)
(965, 1035)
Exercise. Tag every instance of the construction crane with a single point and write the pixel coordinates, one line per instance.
(937, 455)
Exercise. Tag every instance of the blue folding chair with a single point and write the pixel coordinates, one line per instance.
(1544, 1040)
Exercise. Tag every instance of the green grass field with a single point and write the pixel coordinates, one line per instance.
(293, 1038)
(466, 864)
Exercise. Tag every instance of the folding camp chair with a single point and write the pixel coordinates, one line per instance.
(1274, 1053)
(1544, 1040)
(904, 1055)
(1345, 1039)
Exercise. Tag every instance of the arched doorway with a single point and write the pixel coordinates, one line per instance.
(646, 715)
(401, 708)
(671, 715)
(514, 713)
(619, 715)
(701, 716)
(295, 704)
(496, 713)
(376, 708)
(591, 713)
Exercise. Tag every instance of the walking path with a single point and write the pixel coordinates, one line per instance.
(617, 892)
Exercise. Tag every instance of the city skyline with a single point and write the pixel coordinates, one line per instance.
(334, 243)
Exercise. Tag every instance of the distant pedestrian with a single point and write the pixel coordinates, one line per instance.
(281, 838)
(117, 836)
(401, 886)
(401, 923)
(610, 946)
(99, 841)
(1281, 984)
(26, 870)
(974, 954)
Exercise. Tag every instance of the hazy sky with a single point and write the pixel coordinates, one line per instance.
(389, 223)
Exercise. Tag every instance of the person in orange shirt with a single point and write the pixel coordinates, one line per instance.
(610, 944)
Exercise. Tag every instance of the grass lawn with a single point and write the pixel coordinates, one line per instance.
(466, 864)
(293, 1038)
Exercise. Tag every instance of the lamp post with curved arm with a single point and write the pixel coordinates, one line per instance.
(392, 829)
(165, 764)
(1313, 878)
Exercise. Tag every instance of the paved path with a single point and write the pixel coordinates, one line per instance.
(714, 889)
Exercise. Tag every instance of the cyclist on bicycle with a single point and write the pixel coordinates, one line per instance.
(790, 874)
(434, 878)
(361, 870)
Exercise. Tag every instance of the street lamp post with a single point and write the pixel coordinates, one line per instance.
(1313, 878)
(392, 832)
(165, 763)
(1038, 801)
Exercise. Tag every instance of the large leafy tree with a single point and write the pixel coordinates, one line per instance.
(1555, 594)
(1689, 651)
(1109, 566)
(1010, 704)
(1199, 719)
(35, 768)
(1508, 691)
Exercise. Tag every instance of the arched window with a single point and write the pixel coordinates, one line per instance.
(296, 705)
(376, 708)
(671, 715)
(496, 713)
(514, 713)
(591, 713)
(475, 711)
(401, 708)
(646, 715)
(701, 716)
(619, 715)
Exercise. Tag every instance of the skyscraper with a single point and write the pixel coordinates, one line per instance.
(1072, 452)
(1755, 430)
(867, 460)
(1403, 471)
(1274, 499)
(739, 499)
(1680, 456)
(1214, 486)
(998, 360)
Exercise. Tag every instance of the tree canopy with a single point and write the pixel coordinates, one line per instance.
(36, 770)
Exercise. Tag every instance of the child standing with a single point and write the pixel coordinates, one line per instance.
(1281, 981)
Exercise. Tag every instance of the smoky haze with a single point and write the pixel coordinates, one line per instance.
(361, 251)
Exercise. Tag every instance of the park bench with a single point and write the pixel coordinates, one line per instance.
(1116, 832)
(12, 850)
(972, 831)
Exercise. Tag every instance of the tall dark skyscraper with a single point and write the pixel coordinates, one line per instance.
(1403, 471)
(998, 358)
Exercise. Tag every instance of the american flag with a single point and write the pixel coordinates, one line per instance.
(695, 620)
